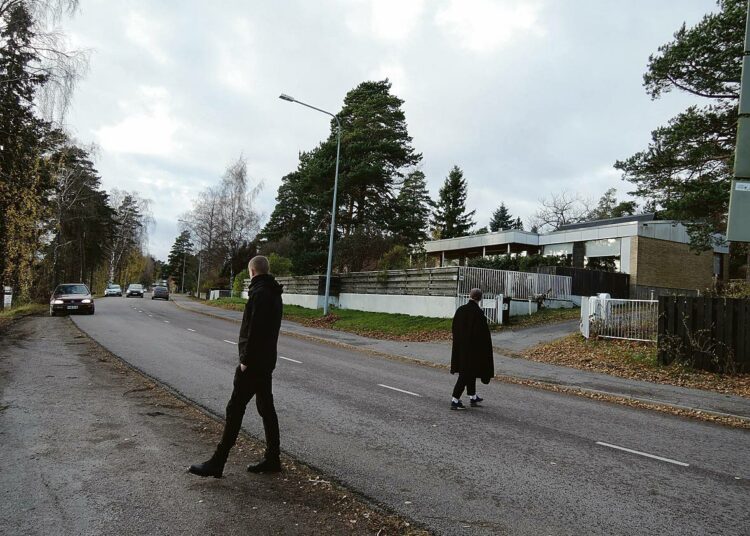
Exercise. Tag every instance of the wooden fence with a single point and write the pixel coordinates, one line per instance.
(591, 282)
(708, 333)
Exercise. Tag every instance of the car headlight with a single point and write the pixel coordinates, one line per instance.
(57, 302)
(86, 300)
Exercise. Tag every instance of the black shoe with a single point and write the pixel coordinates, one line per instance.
(474, 402)
(457, 405)
(210, 468)
(266, 466)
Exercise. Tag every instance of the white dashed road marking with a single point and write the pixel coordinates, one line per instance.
(190, 329)
(166, 321)
(399, 390)
(230, 342)
(290, 359)
(646, 454)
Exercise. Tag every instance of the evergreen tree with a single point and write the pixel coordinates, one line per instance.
(518, 224)
(180, 255)
(450, 218)
(413, 208)
(376, 151)
(687, 167)
(501, 219)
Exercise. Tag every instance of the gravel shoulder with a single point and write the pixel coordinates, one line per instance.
(92, 447)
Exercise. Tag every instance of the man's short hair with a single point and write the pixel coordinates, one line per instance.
(259, 264)
(475, 294)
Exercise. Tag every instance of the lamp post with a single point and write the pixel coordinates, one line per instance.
(182, 281)
(200, 257)
(285, 97)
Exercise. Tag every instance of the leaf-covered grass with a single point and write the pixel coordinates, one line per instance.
(635, 360)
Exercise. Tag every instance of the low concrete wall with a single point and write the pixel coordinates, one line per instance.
(522, 307)
(309, 301)
(433, 306)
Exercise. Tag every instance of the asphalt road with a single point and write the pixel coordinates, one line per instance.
(528, 462)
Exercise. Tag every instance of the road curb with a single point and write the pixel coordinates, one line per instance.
(726, 419)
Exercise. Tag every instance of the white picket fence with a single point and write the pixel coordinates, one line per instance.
(635, 320)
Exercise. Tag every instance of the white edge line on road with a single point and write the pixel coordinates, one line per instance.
(190, 329)
(230, 342)
(399, 390)
(646, 454)
(290, 359)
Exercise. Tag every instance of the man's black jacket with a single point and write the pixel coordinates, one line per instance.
(260, 324)
(472, 343)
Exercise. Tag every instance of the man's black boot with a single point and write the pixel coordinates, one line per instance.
(269, 465)
(213, 467)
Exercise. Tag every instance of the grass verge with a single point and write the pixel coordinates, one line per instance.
(377, 325)
(14, 313)
(395, 326)
(634, 360)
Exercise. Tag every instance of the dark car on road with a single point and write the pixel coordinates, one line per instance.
(134, 289)
(71, 298)
(160, 292)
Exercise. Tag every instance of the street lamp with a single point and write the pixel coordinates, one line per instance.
(200, 257)
(286, 97)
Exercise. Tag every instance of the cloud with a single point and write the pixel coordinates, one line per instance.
(388, 21)
(145, 32)
(487, 25)
(148, 128)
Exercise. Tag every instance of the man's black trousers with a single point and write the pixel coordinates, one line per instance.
(467, 382)
(246, 385)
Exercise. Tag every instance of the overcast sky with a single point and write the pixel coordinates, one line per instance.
(528, 97)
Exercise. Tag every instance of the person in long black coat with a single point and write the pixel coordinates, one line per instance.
(471, 355)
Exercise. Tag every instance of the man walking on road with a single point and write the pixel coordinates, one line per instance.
(471, 355)
(257, 346)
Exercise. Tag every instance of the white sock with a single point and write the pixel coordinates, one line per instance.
(473, 397)
(456, 400)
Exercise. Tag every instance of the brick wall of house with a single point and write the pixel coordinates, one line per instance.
(661, 263)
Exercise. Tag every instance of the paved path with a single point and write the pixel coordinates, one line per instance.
(507, 365)
(529, 462)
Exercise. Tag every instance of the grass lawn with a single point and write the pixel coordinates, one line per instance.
(635, 360)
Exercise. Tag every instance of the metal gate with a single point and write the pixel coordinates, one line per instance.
(635, 320)
(517, 285)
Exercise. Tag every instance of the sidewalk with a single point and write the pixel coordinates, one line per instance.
(92, 447)
(505, 365)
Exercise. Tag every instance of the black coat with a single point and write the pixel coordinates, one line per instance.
(472, 343)
(260, 324)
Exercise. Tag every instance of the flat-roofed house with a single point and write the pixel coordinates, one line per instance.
(655, 253)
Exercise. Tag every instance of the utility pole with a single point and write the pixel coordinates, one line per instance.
(738, 221)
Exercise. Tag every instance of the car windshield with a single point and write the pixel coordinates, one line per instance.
(160, 288)
(136, 287)
(114, 287)
(71, 289)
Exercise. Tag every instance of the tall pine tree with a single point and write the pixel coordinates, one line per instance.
(450, 218)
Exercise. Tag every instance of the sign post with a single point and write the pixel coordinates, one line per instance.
(7, 297)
